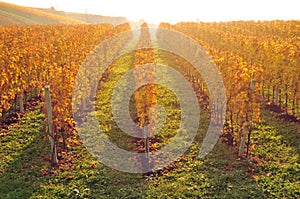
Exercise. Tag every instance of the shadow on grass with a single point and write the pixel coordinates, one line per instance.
(21, 149)
(289, 131)
(26, 174)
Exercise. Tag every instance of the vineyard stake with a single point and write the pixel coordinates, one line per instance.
(252, 88)
(21, 102)
(146, 142)
(242, 144)
(54, 160)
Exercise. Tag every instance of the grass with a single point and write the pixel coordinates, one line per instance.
(277, 147)
(20, 157)
(25, 171)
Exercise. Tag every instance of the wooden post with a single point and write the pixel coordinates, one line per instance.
(277, 96)
(54, 160)
(242, 144)
(146, 141)
(263, 89)
(252, 88)
(273, 94)
(249, 136)
(280, 101)
(83, 105)
(15, 102)
(293, 107)
(268, 93)
(21, 102)
(286, 98)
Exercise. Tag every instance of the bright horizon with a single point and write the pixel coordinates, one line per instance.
(156, 11)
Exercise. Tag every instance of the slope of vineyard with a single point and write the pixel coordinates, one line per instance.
(88, 18)
(18, 15)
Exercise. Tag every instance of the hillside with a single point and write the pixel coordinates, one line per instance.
(18, 15)
(88, 18)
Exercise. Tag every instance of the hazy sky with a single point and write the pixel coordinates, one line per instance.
(154, 11)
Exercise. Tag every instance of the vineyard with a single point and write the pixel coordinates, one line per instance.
(56, 79)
